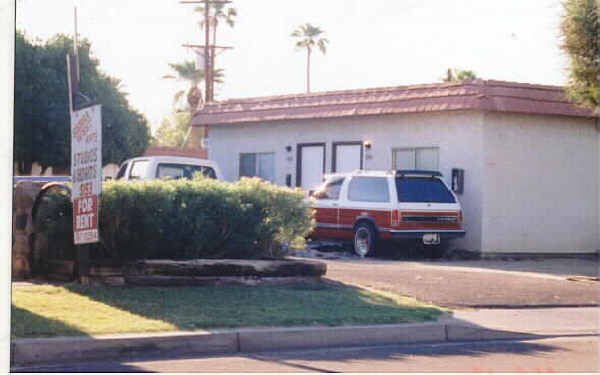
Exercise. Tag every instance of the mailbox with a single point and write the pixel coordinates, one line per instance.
(458, 180)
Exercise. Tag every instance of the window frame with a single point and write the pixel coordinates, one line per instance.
(414, 150)
(256, 164)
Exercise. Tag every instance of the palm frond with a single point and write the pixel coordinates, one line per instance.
(177, 98)
(322, 43)
(307, 34)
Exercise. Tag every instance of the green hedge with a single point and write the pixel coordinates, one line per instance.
(190, 219)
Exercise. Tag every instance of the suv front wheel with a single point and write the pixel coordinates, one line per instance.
(364, 239)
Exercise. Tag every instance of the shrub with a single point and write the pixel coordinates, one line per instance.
(201, 218)
(285, 215)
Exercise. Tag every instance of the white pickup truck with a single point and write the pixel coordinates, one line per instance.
(174, 167)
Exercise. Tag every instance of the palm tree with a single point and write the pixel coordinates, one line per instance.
(187, 71)
(308, 38)
(220, 13)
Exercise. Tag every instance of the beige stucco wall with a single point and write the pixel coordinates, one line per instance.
(541, 176)
(457, 134)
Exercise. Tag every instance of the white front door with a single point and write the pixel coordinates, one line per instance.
(347, 158)
(311, 166)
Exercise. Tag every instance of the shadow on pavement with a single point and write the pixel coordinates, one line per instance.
(400, 352)
(80, 368)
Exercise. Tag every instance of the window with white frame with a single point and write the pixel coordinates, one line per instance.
(258, 165)
(422, 158)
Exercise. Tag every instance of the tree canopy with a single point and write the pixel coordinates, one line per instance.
(41, 112)
(455, 75)
(580, 31)
(173, 131)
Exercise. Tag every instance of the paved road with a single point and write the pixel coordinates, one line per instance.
(479, 284)
(548, 355)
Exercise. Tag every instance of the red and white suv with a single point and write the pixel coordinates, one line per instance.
(365, 206)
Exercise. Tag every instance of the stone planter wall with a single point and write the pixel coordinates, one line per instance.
(207, 272)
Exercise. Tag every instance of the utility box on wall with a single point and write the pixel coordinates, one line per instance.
(458, 180)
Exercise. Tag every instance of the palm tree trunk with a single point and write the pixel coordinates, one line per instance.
(308, 70)
(212, 59)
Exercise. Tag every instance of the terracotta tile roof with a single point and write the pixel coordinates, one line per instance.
(176, 151)
(468, 95)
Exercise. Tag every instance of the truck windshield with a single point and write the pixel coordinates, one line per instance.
(426, 190)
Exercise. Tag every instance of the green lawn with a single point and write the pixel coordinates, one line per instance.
(44, 311)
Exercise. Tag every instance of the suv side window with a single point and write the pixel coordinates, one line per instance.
(331, 190)
(369, 189)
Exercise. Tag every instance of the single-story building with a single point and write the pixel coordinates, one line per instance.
(530, 159)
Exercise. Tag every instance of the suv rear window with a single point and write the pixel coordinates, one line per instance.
(428, 190)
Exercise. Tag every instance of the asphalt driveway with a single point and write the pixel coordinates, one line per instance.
(477, 284)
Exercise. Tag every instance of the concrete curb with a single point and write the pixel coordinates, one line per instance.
(47, 350)
(27, 351)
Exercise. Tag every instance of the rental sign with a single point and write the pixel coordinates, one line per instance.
(86, 172)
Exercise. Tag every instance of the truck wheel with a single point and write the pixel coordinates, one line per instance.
(364, 239)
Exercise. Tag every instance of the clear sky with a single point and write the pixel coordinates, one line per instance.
(373, 43)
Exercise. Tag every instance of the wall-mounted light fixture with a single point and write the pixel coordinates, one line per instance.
(288, 148)
(367, 144)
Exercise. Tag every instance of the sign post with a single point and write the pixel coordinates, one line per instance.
(86, 156)
(86, 163)
(86, 173)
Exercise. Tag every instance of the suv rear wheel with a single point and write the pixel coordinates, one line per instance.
(364, 239)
